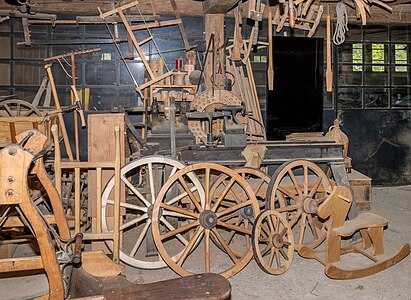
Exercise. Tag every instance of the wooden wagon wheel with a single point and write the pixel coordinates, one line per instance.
(199, 255)
(296, 189)
(273, 242)
(143, 179)
(17, 108)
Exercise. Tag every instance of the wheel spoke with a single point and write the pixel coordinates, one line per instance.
(134, 221)
(270, 224)
(260, 184)
(18, 110)
(305, 180)
(284, 254)
(302, 229)
(315, 187)
(129, 205)
(287, 193)
(234, 227)
(151, 183)
(271, 257)
(207, 250)
(295, 218)
(312, 226)
(190, 194)
(278, 258)
(223, 194)
(135, 191)
(173, 231)
(140, 238)
(225, 246)
(277, 224)
(232, 233)
(173, 171)
(295, 182)
(265, 250)
(177, 211)
(233, 208)
(9, 111)
(181, 196)
(190, 246)
(288, 208)
(207, 189)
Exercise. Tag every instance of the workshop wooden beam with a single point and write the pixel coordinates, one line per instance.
(218, 6)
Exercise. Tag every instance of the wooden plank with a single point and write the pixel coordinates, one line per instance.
(116, 10)
(218, 6)
(15, 221)
(101, 150)
(96, 263)
(21, 264)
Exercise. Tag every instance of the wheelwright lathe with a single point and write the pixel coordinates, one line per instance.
(184, 179)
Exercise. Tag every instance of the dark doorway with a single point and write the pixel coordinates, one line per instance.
(296, 104)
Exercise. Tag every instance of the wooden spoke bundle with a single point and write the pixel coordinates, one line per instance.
(273, 242)
(143, 179)
(213, 238)
(296, 190)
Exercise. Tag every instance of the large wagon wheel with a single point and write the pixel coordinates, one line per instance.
(209, 223)
(143, 179)
(18, 108)
(296, 189)
(273, 242)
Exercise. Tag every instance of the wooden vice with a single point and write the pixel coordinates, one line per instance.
(370, 226)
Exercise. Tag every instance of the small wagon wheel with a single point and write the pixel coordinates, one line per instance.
(273, 242)
(143, 179)
(296, 189)
(209, 223)
(18, 108)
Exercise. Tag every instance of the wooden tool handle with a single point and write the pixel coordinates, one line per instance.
(292, 13)
(77, 248)
(328, 72)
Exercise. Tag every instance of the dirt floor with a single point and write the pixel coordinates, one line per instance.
(304, 280)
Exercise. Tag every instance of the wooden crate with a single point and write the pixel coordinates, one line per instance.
(361, 186)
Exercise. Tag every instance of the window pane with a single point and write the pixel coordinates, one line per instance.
(5, 26)
(349, 97)
(137, 69)
(372, 77)
(103, 99)
(354, 34)
(347, 76)
(400, 78)
(34, 51)
(376, 53)
(401, 97)
(376, 97)
(24, 93)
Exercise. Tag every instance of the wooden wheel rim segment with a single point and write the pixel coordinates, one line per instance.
(273, 230)
(297, 201)
(15, 108)
(203, 230)
(146, 208)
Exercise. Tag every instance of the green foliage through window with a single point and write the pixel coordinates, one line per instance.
(377, 55)
(357, 57)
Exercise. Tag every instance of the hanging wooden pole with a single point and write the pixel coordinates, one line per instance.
(270, 53)
(328, 72)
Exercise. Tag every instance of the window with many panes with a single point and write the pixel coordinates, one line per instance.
(374, 68)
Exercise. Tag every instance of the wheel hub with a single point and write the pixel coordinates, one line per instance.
(309, 205)
(208, 219)
(247, 212)
(277, 241)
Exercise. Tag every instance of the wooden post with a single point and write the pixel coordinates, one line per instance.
(117, 182)
(270, 52)
(60, 114)
(214, 24)
(328, 72)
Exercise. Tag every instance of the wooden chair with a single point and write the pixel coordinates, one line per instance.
(369, 225)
